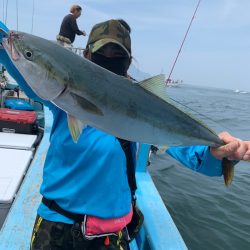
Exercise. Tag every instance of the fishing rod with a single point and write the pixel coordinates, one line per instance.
(6, 11)
(17, 10)
(171, 71)
(32, 19)
(3, 11)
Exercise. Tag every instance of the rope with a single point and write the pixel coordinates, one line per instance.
(169, 79)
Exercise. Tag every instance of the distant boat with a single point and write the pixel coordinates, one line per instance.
(173, 83)
(240, 92)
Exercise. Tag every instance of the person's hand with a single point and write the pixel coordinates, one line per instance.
(83, 33)
(246, 157)
(234, 148)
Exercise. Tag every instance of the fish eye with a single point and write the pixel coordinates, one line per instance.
(28, 54)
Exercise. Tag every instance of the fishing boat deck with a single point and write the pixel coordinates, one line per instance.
(158, 231)
(16, 230)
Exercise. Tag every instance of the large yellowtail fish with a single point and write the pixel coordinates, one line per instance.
(92, 95)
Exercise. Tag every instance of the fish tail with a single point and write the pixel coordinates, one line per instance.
(228, 171)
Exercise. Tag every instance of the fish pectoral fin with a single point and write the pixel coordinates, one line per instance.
(75, 127)
(87, 105)
(156, 85)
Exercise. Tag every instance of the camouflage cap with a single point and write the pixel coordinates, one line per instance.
(111, 31)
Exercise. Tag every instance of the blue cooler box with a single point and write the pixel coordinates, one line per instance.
(18, 104)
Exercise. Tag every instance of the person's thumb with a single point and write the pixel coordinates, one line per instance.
(225, 150)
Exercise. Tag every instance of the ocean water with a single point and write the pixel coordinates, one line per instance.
(208, 215)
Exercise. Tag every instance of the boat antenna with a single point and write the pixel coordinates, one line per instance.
(171, 71)
(32, 21)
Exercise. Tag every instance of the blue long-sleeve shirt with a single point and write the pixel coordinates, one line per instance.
(89, 177)
(197, 158)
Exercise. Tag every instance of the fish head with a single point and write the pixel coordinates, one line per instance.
(32, 58)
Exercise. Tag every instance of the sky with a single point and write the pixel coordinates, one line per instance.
(216, 52)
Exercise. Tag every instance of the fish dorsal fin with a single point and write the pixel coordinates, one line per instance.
(155, 85)
(75, 127)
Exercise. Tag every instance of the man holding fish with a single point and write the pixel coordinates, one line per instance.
(85, 183)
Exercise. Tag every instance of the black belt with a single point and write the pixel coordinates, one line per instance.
(54, 206)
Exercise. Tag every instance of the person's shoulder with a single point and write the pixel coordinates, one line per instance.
(69, 17)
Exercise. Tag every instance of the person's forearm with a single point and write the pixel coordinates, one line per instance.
(197, 158)
(79, 32)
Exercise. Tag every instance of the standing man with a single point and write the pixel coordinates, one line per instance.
(69, 27)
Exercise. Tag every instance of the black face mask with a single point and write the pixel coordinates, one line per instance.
(117, 65)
